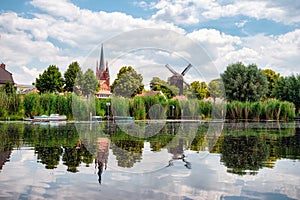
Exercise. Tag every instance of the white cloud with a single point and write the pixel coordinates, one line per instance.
(60, 32)
(193, 11)
(63, 32)
(280, 53)
(177, 11)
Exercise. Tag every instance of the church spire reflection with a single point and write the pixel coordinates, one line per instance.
(102, 156)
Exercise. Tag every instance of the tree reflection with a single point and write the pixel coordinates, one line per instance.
(127, 149)
(248, 150)
(49, 156)
(243, 149)
(243, 153)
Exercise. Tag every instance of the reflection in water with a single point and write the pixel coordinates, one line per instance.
(102, 156)
(243, 149)
(178, 154)
(4, 157)
(243, 153)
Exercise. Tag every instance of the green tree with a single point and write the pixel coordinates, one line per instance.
(216, 89)
(50, 81)
(86, 84)
(89, 83)
(70, 76)
(128, 83)
(271, 77)
(288, 89)
(199, 89)
(244, 83)
(156, 84)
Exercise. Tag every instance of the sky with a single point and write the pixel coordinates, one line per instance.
(209, 34)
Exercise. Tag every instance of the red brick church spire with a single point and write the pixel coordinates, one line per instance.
(102, 74)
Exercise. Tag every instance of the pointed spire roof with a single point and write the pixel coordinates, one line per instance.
(101, 65)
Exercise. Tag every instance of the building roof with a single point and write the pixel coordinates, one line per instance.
(104, 92)
(151, 93)
(5, 76)
(101, 66)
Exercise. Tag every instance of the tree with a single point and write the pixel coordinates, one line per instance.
(89, 83)
(50, 81)
(215, 88)
(199, 89)
(156, 84)
(271, 77)
(86, 84)
(128, 83)
(244, 83)
(288, 89)
(70, 76)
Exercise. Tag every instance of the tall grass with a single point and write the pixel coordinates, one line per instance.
(10, 104)
(265, 110)
(148, 107)
(137, 106)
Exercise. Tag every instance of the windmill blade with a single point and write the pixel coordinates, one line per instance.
(186, 69)
(188, 85)
(171, 69)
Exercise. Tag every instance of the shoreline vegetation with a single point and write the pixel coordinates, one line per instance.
(17, 107)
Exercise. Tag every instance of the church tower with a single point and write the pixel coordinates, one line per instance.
(102, 74)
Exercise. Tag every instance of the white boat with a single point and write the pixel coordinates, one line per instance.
(45, 118)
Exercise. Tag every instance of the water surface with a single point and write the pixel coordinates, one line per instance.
(179, 160)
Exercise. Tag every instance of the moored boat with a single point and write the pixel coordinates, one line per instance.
(45, 118)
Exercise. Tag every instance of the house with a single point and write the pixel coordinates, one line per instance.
(24, 89)
(5, 76)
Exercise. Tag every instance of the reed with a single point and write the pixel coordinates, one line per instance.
(120, 106)
(265, 110)
(255, 110)
(137, 108)
(205, 108)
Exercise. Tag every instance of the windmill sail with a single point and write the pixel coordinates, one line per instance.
(171, 69)
(186, 69)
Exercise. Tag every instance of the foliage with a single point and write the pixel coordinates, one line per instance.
(86, 84)
(90, 83)
(216, 89)
(50, 81)
(70, 76)
(288, 89)
(199, 89)
(205, 109)
(10, 104)
(120, 106)
(244, 83)
(31, 104)
(47, 103)
(9, 88)
(128, 83)
(265, 110)
(156, 84)
(138, 108)
(272, 77)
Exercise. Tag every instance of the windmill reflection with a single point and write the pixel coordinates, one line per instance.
(102, 156)
(178, 154)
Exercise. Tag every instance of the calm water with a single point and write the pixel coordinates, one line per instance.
(150, 160)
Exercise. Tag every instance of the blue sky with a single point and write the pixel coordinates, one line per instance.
(37, 33)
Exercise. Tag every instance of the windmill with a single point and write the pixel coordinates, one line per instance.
(177, 79)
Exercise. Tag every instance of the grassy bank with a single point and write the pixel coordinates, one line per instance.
(16, 107)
